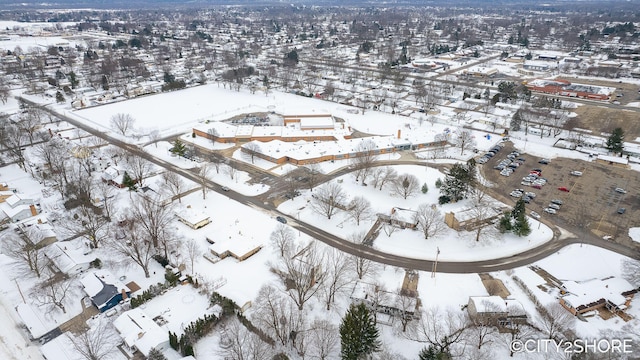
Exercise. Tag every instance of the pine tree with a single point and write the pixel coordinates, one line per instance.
(128, 181)
(59, 97)
(505, 223)
(425, 188)
(358, 333)
(431, 353)
(518, 210)
(178, 148)
(615, 142)
(458, 182)
(155, 354)
(521, 227)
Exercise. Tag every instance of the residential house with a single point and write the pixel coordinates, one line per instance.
(402, 218)
(611, 293)
(140, 333)
(494, 310)
(238, 247)
(384, 302)
(467, 219)
(39, 230)
(18, 207)
(69, 257)
(104, 289)
(193, 219)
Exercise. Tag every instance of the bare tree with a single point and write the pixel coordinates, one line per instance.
(277, 315)
(107, 194)
(135, 247)
(465, 140)
(441, 328)
(52, 294)
(87, 221)
(324, 340)
(338, 275)
(407, 306)
(193, 251)
(122, 123)
(231, 171)
(631, 271)
(251, 149)
(301, 270)
(153, 217)
(482, 329)
(388, 175)
(243, 344)
(359, 208)
(30, 121)
(313, 175)
(363, 267)
(405, 185)
(97, 342)
(282, 238)
(481, 210)
(429, 220)
(556, 320)
(364, 160)
(13, 140)
(328, 199)
(140, 169)
(24, 248)
(203, 175)
(174, 183)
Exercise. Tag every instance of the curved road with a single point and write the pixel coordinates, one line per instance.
(522, 259)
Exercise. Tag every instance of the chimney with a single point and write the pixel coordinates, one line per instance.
(399, 132)
(124, 294)
(34, 212)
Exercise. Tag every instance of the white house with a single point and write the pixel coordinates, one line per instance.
(69, 257)
(140, 333)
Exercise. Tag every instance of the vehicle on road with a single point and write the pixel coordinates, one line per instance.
(563, 188)
(224, 188)
(281, 219)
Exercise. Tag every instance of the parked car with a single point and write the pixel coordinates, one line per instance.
(554, 206)
(526, 199)
(557, 201)
(530, 194)
(621, 211)
(536, 186)
(576, 173)
(281, 219)
(544, 161)
(621, 190)
(550, 211)
(563, 188)
(516, 194)
(535, 215)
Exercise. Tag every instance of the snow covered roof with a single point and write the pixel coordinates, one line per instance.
(60, 348)
(139, 330)
(614, 159)
(15, 199)
(33, 321)
(68, 255)
(236, 245)
(489, 304)
(590, 291)
(191, 216)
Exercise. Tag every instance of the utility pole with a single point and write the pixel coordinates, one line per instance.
(435, 264)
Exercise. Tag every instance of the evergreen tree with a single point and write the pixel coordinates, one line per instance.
(438, 183)
(516, 121)
(431, 353)
(518, 210)
(128, 181)
(59, 97)
(178, 148)
(425, 188)
(505, 223)
(155, 354)
(458, 182)
(615, 142)
(358, 333)
(521, 226)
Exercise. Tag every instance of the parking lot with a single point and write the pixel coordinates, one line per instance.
(591, 201)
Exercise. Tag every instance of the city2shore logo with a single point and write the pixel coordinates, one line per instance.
(578, 346)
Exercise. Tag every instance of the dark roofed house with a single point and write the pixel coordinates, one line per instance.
(104, 289)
